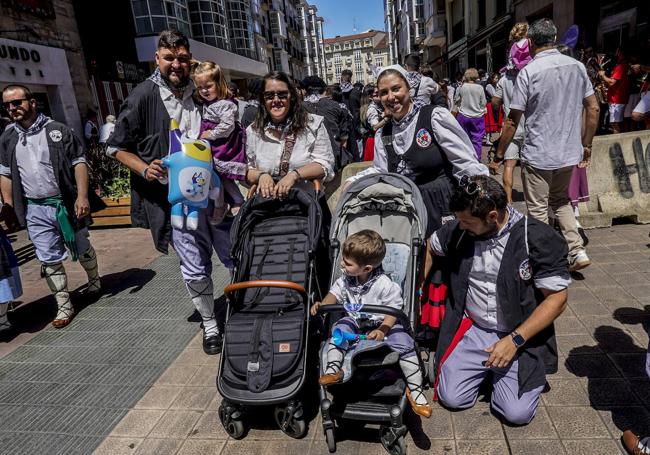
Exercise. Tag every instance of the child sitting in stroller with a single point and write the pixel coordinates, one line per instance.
(364, 281)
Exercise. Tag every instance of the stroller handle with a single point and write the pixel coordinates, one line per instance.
(380, 309)
(253, 189)
(265, 284)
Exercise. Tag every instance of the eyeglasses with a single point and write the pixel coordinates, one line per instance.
(283, 95)
(473, 188)
(14, 103)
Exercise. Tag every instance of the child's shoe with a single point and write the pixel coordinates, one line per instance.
(424, 410)
(332, 378)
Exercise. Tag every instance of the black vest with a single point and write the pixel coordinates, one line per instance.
(430, 168)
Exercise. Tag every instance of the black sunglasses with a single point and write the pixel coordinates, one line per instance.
(14, 103)
(473, 188)
(283, 95)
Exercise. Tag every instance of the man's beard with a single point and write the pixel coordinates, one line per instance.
(491, 232)
(182, 80)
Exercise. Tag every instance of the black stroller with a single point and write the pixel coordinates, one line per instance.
(264, 359)
(373, 388)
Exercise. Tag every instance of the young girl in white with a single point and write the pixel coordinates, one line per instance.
(220, 126)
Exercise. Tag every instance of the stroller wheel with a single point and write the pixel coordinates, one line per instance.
(393, 441)
(290, 421)
(331, 442)
(230, 419)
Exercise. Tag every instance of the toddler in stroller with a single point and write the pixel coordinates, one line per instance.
(364, 281)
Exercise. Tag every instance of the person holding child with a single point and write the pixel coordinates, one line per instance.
(221, 127)
(364, 281)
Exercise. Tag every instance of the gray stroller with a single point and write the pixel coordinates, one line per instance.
(373, 389)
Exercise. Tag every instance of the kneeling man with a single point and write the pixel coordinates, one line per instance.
(508, 283)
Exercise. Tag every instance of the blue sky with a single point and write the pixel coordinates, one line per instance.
(341, 16)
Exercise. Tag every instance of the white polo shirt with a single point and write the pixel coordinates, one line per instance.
(550, 91)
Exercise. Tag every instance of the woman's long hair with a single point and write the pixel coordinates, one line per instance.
(297, 113)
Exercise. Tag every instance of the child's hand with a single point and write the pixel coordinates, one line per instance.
(376, 335)
(314, 309)
(205, 135)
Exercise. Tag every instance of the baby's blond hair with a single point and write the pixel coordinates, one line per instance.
(215, 73)
(519, 31)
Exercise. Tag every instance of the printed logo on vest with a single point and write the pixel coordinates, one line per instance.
(56, 135)
(525, 272)
(423, 138)
(284, 347)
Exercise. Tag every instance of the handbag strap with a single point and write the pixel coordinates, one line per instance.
(289, 143)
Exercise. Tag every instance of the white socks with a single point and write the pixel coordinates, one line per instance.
(57, 280)
(201, 293)
(88, 261)
(334, 358)
(411, 369)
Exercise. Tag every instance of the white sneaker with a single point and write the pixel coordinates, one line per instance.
(579, 261)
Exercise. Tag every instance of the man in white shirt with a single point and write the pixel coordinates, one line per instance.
(554, 144)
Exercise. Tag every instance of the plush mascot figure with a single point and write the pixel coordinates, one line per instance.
(191, 178)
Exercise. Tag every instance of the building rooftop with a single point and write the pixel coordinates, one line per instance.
(338, 39)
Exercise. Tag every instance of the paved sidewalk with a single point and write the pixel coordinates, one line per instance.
(128, 376)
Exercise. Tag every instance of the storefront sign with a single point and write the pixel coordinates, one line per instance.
(19, 53)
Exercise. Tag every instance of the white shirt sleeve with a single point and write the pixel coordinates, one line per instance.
(498, 92)
(455, 143)
(520, 92)
(251, 146)
(322, 152)
(338, 289)
(224, 115)
(374, 116)
(434, 244)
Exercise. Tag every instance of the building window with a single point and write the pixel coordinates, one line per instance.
(379, 61)
(346, 45)
(367, 42)
(338, 66)
(154, 16)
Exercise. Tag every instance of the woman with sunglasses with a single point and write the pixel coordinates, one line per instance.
(286, 146)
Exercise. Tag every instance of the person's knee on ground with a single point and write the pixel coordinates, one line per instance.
(450, 396)
(515, 412)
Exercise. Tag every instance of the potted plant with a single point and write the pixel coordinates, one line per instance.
(110, 181)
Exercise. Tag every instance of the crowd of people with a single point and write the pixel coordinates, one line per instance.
(504, 274)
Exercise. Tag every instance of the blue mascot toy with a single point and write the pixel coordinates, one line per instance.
(191, 178)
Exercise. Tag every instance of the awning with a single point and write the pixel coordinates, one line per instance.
(484, 33)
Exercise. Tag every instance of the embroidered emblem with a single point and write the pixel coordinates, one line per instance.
(525, 272)
(56, 135)
(285, 347)
(423, 138)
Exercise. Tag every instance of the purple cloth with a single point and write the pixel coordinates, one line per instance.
(475, 129)
(228, 153)
(578, 186)
(463, 372)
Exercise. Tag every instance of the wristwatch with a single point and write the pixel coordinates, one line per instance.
(517, 339)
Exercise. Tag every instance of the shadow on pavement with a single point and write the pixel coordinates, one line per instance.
(615, 372)
(35, 316)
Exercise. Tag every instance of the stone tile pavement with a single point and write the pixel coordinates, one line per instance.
(129, 376)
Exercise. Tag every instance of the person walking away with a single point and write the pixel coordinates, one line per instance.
(518, 58)
(554, 143)
(44, 180)
(493, 117)
(338, 120)
(221, 127)
(470, 107)
(618, 90)
(91, 129)
(422, 87)
(352, 100)
(140, 141)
